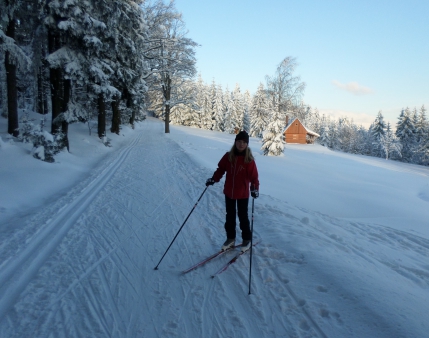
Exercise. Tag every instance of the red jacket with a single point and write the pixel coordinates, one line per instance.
(238, 177)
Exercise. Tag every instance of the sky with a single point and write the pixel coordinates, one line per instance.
(342, 241)
(356, 57)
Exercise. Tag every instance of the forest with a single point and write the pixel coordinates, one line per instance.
(110, 63)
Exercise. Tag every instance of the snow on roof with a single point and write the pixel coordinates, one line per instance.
(309, 131)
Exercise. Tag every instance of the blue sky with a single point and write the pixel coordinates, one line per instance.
(356, 57)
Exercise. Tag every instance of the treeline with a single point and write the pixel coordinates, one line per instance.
(209, 106)
(106, 63)
(408, 143)
(85, 60)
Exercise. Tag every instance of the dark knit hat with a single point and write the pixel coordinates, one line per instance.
(242, 135)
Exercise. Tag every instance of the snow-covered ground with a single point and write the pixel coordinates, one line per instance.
(343, 251)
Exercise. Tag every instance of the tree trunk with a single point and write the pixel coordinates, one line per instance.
(40, 106)
(116, 115)
(12, 94)
(129, 101)
(133, 117)
(65, 102)
(42, 103)
(101, 116)
(167, 94)
(55, 77)
(167, 118)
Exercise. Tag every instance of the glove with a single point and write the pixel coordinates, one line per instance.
(254, 193)
(210, 181)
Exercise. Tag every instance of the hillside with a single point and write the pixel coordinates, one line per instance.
(343, 242)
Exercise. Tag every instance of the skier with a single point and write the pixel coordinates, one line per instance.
(241, 171)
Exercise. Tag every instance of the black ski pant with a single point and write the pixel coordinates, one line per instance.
(240, 207)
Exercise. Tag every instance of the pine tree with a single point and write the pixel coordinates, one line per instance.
(203, 104)
(207, 110)
(218, 110)
(259, 112)
(247, 107)
(422, 137)
(378, 131)
(211, 100)
(228, 111)
(236, 110)
(364, 141)
(11, 14)
(335, 142)
(389, 144)
(405, 132)
(421, 125)
(273, 140)
(325, 137)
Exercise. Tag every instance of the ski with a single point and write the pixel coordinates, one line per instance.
(208, 259)
(231, 261)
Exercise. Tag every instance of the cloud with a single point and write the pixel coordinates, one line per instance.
(358, 118)
(353, 87)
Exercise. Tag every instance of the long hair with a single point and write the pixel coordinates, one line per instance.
(248, 156)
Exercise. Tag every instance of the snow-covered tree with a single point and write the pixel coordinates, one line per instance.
(284, 88)
(13, 56)
(200, 89)
(247, 102)
(207, 111)
(228, 111)
(182, 113)
(405, 132)
(259, 112)
(378, 131)
(389, 143)
(273, 140)
(170, 53)
(421, 153)
(218, 110)
(236, 110)
(421, 125)
(324, 139)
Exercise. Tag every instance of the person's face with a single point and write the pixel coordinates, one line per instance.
(241, 145)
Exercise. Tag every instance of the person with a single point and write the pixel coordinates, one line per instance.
(241, 172)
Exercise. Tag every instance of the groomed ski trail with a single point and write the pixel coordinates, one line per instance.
(83, 265)
(43, 244)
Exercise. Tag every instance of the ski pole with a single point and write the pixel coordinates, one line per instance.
(156, 267)
(251, 245)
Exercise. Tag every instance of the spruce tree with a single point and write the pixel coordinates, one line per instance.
(378, 131)
(405, 132)
(228, 108)
(273, 140)
(247, 107)
(389, 143)
(325, 137)
(218, 110)
(259, 112)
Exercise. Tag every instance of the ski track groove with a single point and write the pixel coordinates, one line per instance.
(118, 325)
(92, 305)
(114, 291)
(51, 237)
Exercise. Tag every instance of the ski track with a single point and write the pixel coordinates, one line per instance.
(83, 266)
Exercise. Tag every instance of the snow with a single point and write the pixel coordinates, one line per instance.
(343, 251)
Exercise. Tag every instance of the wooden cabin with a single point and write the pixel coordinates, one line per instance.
(296, 132)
